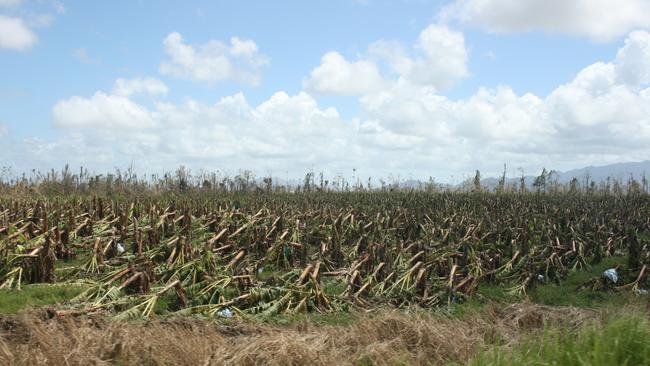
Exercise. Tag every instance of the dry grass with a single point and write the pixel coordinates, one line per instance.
(385, 338)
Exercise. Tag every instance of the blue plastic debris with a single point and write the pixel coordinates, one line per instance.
(611, 275)
(225, 313)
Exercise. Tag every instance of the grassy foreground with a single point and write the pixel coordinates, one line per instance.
(517, 334)
(386, 337)
(554, 324)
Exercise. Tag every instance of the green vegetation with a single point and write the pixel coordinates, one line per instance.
(569, 292)
(339, 318)
(12, 301)
(624, 340)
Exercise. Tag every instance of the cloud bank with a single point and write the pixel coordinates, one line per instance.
(405, 125)
(600, 20)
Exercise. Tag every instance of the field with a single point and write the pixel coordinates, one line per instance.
(400, 277)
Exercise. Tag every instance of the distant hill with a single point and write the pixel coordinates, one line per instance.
(620, 171)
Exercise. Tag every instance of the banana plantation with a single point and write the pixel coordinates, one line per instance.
(260, 254)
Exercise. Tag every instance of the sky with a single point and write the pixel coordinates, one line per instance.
(404, 88)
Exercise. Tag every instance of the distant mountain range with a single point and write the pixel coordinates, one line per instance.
(620, 171)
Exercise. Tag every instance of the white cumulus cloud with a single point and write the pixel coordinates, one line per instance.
(600, 20)
(213, 61)
(102, 111)
(15, 35)
(231, 133)
(600, 116)
(336, 75)
(438, 59)
(633, 60)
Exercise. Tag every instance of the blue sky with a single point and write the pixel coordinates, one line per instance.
(410, 88)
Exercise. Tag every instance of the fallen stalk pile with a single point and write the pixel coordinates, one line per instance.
(267, 254)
